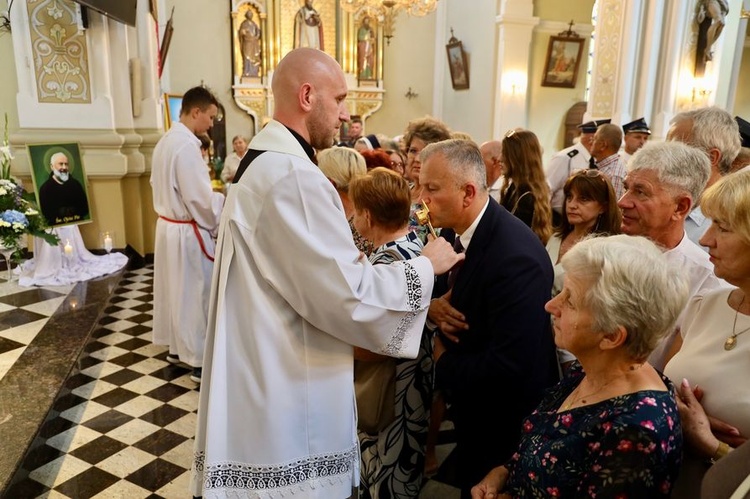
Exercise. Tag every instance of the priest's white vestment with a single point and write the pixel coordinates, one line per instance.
(182, 271)
(290, 295)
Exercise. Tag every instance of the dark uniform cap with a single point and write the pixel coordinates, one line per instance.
(744, 131)
(591, 126)
(638, 125)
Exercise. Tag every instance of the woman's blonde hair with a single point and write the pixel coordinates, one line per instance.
(341, 165)
(728, 201)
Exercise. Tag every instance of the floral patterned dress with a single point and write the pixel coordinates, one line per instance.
(625, 447)
(393, 460)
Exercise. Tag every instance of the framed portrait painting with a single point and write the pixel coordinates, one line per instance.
(562, 62)
(457, 64)
(60, 183)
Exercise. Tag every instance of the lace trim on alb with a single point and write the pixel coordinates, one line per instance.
(414, 299)
(231, 475)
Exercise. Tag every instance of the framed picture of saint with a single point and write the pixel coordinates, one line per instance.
(60, 183)
(563, 59)
(367, 49)
(457, 64)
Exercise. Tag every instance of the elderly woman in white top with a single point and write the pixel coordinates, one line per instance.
(715, 350)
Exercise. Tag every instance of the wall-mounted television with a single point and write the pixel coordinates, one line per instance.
(119, 10)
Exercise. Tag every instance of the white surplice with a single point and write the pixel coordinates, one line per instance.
(290, 296)
(182, 272)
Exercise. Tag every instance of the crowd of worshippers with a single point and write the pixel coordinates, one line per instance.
(586, 339)
(488, 361)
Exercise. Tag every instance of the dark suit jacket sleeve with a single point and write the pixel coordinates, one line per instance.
(517, 329)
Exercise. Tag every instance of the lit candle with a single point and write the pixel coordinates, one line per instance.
(107, 243)
(68, 248)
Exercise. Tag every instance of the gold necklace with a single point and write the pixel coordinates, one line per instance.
(578, 398)
(583, 398)
(731, 341)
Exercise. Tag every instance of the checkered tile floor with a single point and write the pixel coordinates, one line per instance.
(123, 425)
(23, 313)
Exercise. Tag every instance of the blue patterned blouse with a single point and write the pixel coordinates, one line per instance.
(625, 447)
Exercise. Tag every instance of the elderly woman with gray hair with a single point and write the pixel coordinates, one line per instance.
(611, 426)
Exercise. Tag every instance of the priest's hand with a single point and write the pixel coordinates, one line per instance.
(441, 254)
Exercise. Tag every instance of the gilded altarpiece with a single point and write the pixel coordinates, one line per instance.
(60, 54)
(263, 31)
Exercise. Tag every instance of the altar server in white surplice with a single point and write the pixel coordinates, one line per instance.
(189, 214)
(290, 296)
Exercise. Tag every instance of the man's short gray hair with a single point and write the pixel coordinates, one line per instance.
(463, 157)
(629, 283)
(679, 167)
(713, 128)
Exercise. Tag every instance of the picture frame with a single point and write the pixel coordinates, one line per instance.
(172, 107)
(61, 201)
(562, 62)
(368, 41)
(457, 63)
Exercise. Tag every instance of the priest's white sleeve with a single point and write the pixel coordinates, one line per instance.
(303, 247)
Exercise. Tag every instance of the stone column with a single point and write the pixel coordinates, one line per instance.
(515, 25)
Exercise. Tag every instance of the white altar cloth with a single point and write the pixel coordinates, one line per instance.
(51, 266)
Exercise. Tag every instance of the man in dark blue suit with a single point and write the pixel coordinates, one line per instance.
(494, 352)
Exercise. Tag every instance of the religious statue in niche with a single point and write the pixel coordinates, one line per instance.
(250, 45)
(710, 16)
(366, 50)
(308, 27)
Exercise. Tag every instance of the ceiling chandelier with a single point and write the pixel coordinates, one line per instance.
(385, 11)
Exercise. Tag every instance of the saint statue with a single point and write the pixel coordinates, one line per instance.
(308, 27)
(366, 47)
(250, 45)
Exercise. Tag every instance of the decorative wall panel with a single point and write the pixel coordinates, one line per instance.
(59, 51)
(607, 37)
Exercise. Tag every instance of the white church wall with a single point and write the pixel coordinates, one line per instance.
(201, 51)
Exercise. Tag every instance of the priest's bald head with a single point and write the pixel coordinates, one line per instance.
(309, 91)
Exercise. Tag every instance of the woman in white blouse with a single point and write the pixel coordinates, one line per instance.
(714, 356)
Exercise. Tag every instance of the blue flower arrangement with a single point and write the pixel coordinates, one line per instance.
(19, 216)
